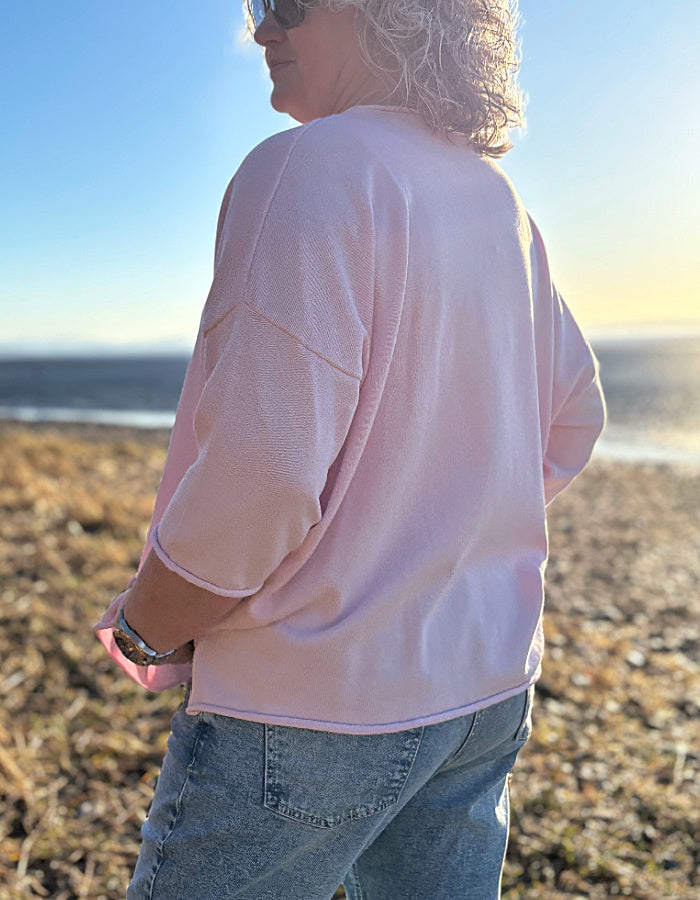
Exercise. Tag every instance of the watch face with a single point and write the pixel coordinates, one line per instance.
(127, 647)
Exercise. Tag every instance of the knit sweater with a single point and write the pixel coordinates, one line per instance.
(385, 392)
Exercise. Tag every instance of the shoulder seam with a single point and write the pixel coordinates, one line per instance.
(300, 131)
(290, 334)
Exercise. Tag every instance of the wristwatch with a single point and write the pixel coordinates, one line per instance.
(136, 650)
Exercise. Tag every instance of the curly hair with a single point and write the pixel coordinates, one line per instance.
(455, 62)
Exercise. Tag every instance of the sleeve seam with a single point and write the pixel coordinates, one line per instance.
(290, 334)
(301, 132)
(263, 221)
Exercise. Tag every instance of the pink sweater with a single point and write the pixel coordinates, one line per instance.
(385, 392)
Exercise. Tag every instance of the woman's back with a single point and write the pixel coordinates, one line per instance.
(412, 273)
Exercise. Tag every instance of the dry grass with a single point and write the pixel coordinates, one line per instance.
(605, 796)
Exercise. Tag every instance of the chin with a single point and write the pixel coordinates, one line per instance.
(282, 102)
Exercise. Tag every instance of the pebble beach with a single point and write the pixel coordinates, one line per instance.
(605, 797)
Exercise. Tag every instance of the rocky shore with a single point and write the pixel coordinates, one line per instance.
(605, 797)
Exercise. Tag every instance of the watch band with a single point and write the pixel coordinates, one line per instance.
(133, 646)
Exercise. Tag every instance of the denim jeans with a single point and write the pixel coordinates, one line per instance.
(257, 811)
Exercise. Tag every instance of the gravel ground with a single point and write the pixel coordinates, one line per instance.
(605, 797)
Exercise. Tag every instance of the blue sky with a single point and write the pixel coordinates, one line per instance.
(124, 123)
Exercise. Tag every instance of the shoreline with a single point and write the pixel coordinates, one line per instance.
(610, 451)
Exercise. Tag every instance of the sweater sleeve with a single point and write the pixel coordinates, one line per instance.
(572, 406)
(578, 406)
(271, 419)
(284, 349)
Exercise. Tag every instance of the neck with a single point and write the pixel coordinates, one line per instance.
(364, 89)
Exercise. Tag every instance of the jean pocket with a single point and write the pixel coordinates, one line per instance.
(322, 779)
(524, 731)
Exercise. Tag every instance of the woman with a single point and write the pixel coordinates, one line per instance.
(385, 392)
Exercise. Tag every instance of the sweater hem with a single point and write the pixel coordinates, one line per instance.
(195, 707)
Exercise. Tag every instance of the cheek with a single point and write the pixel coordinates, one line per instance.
(320, 75)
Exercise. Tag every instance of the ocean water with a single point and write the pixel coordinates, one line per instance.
(652, 389)
(139, 391)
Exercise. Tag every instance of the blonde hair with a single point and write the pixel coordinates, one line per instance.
(455, 62)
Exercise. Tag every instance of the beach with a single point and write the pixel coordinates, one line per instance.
(605, 797)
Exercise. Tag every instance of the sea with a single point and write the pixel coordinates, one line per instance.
(651, 385)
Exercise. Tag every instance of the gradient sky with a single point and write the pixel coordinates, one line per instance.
(123, 123)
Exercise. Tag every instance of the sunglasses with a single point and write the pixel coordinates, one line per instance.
(288, 13)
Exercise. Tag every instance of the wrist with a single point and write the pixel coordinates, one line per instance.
(133, 646)
(139, 618)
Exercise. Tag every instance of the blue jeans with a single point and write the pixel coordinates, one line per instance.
(256, 811)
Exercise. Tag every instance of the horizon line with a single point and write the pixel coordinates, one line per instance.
(48, 349)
